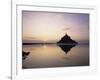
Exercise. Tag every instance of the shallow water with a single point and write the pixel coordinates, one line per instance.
(52, 55)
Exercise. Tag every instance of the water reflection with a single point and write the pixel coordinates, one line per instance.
(25, 54)
(66, 48)
(53, 55)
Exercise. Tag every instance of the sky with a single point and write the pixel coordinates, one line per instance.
(51, 26)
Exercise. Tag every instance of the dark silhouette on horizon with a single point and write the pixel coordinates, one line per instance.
(66, 48)
(25, 54)
(66, 40)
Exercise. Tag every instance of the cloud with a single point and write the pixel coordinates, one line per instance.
(65, 29)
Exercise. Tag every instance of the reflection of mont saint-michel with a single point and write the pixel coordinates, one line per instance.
(66, 48)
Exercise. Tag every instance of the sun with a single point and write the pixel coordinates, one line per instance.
(45, 40)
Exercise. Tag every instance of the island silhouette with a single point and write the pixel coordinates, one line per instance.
(66, 40)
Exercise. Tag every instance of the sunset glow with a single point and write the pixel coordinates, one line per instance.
(50, 27)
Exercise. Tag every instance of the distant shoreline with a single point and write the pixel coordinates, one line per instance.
(53, 43)
(36, 43)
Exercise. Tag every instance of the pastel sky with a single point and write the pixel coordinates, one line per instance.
(51, 26)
